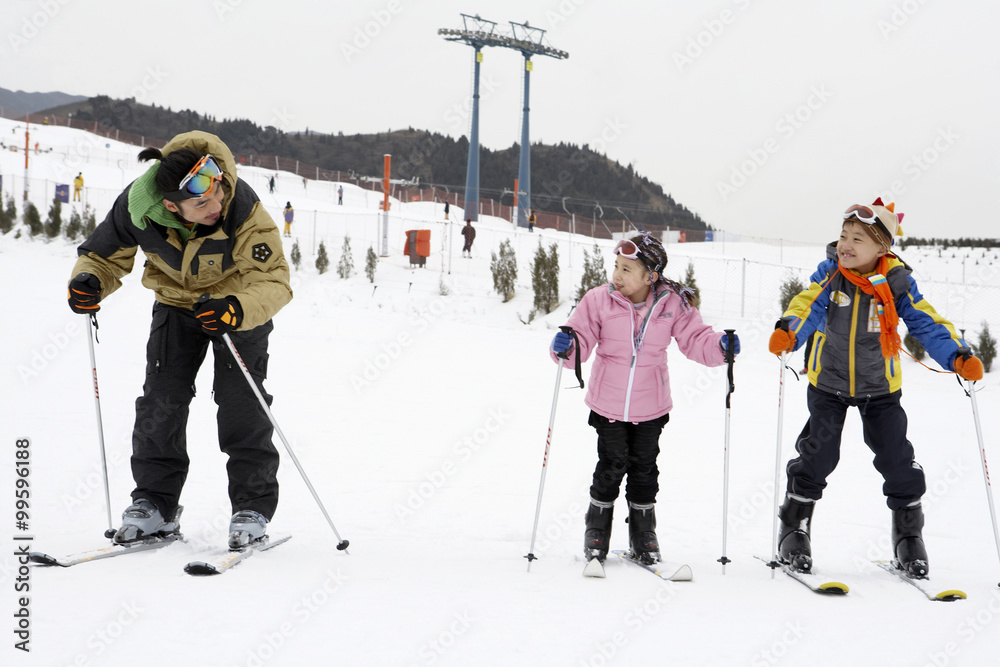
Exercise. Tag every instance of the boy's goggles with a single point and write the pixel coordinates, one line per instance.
(200, 182)
(866, 215)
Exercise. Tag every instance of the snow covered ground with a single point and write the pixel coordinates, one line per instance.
(420, 418)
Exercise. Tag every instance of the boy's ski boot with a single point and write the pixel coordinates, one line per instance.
(794, 548)
(143, 519)
(597, 538)
(642, 533)
(246, 527)
(908, 542)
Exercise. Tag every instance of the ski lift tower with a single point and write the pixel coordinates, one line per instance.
(529, 41)
(477, 33)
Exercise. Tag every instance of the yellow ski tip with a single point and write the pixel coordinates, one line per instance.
(950, 595)
(834, 587)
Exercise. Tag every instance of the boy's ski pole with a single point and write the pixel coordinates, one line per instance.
(777, 463)
(730, 358)
(548, 439)
(982, 457)
(91, 333)
(341, 543)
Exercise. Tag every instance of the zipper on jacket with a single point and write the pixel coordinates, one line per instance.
(853, 339)
(637, 345)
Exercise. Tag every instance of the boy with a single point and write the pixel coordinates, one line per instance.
(851, 310)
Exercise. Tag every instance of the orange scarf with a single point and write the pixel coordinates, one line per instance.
(877, 286)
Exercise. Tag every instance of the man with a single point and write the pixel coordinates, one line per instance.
(204, 232)
(77, 186)
(469, 232)
(289, 215)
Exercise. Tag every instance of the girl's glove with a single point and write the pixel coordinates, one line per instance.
(736, 343)
(968, 366)
(782, 340)
(562, 344)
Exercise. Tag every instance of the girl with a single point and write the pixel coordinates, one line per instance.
(630, 322)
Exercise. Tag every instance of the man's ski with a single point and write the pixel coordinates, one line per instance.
(923, 585)
(666, 571)
(144, 544)
(234, 557)
(812, 581)
(594, 568)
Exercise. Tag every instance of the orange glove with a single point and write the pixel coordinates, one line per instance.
(968, 367)
(782, 340)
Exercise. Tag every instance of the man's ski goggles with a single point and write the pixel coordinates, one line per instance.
(200, 182)
(866, 215)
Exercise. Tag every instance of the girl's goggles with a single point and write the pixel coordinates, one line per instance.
(200, 182)
(629, 250)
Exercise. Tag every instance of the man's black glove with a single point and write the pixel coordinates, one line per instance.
(84, 293)
(219, 316)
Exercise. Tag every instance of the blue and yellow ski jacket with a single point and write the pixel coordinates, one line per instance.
(846, 354)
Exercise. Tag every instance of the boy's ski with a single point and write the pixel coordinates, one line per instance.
(808, 579)
(665, 571)
(594, 568)
(110, 551)
(923, 585)
(234, 557)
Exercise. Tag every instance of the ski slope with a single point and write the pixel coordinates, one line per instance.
(420, 418)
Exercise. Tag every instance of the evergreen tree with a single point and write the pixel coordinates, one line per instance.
(296, 255)
(53, 223)
(690, 282)
(32, 219)
(914, 346)
(504, 270)
(89, 220)
(789, 290)
(371, 261)
(322, 261)
(346, 264)
(545, 278)
(11, 209)
(6, 222)
(594, 273)
(74, 226)
(986, 348)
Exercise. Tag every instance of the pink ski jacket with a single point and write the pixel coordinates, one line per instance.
(629, 380)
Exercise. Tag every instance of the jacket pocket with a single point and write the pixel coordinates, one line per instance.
(209, 269)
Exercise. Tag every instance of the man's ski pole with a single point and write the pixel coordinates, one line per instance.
(91, 333)
(730, 358)
(777, 463)
(341, 543)
(982, 457)
(548, 439)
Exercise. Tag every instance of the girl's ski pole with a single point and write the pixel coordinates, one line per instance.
(982, 457)
(91, 333)
(341, 543)
(730, 358)
(548, 439)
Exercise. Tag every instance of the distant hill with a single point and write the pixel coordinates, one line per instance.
(18, 101)
(557, 171)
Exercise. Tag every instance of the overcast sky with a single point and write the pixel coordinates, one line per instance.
(766, 118)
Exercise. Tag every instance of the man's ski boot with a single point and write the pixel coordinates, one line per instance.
(908, 542)
(143, 519)
(246, 527)
(642, 533)
(794, 548)
(597, 538)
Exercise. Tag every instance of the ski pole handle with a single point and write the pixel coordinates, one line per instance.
(576, 341)
(730, 359)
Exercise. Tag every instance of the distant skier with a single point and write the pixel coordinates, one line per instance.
(445, 209)
(340, 195)
(630, 322)
(203, 231)
(851, 309)
(531, 222)
(469, 232)
(289, 214)
(77, 186)
(270, 184)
